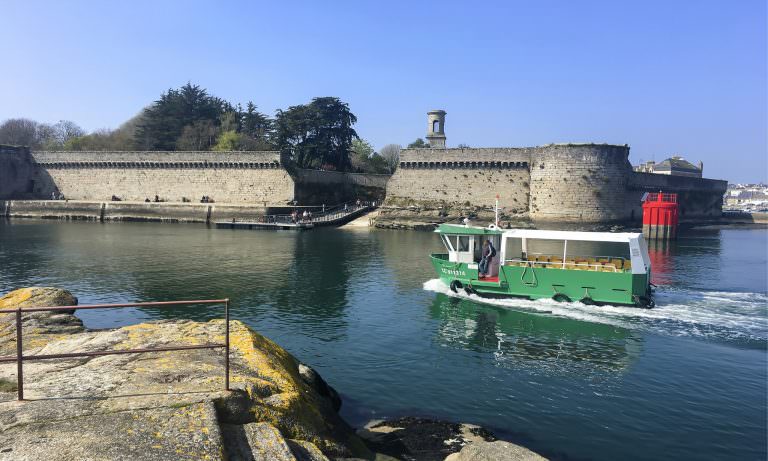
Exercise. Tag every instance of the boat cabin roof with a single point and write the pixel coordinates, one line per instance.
(572, 235)
(460, 229)
(457, 229)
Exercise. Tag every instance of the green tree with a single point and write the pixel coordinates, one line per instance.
(418, 144)
(377, 165)
(318, 134)
(230, 121)
(119, 139)
(200, 135)
(365, 160)
(361, 151)
(164, 121)
(228, 140)
(255, 124)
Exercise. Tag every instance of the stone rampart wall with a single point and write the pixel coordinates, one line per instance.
(558, 182)
(315, 187)
(16, 172)
(698, 198)
(579, 182)
(459, 177)
(191, 159)
(553, 183)
(237, 177)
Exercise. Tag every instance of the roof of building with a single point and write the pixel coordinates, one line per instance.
(676, 163)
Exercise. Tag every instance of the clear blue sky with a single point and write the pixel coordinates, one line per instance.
(667, 77)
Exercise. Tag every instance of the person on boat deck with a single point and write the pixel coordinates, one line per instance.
(488, 253)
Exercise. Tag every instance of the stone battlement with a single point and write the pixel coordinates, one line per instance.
(568, 182)
(142, 159)
(564, 182)
(248, 178)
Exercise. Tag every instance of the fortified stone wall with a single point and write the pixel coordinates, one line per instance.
(579, 182)
(557, 182)
(462, 177)
(16, 171)
(698, 198)
(315, 187)
(588, 183)
(237, 177)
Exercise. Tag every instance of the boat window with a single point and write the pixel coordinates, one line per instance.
(514, 248)
(598, 249)
(446, 242)
(462, 243)
(546, 247)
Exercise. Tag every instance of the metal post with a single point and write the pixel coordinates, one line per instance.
(19, 357)
(226, 344)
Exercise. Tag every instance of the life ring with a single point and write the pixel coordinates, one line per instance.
(456, 286)
(561, 298)
(493, 226)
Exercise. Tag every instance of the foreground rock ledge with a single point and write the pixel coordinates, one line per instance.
(168, 405)
(172, 406)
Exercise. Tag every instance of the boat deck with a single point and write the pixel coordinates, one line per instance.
(489, 279)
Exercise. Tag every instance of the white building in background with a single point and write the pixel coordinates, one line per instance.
(752, 197)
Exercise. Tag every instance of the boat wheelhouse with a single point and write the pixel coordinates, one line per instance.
(590, 267)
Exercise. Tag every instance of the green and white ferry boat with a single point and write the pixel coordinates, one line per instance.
(590, 267)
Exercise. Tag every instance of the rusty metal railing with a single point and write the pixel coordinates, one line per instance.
(20, 358)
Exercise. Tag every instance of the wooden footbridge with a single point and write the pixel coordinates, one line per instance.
(335, 216)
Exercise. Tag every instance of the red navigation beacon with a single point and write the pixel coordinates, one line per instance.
(660, 216)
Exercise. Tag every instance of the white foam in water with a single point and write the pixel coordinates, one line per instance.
(678, 312)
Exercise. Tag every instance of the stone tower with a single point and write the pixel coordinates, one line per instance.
(436, 129)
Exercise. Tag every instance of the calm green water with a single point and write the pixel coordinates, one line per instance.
(686, 380)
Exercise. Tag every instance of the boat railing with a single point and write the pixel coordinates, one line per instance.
(661, 197)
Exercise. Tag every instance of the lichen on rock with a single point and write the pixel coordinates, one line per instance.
(142, 391)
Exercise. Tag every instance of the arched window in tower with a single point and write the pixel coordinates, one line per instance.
(436, 126)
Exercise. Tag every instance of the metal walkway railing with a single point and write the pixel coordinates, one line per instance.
(20, 358)
(326, 216)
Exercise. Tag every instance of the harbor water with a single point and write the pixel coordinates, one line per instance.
(685, 380)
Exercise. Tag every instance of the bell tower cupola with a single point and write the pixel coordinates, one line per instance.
(436, 129)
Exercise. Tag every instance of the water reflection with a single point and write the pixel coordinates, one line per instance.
(282, 275)
(660, 253)
(540, 343)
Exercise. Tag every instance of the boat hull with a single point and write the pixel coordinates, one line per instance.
(535, 282)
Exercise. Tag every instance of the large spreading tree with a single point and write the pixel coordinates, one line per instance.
(318, 134)
(188, 111)
(315, 135)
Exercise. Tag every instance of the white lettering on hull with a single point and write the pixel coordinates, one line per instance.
(453, 272)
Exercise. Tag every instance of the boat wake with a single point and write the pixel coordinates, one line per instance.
(729, 316)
